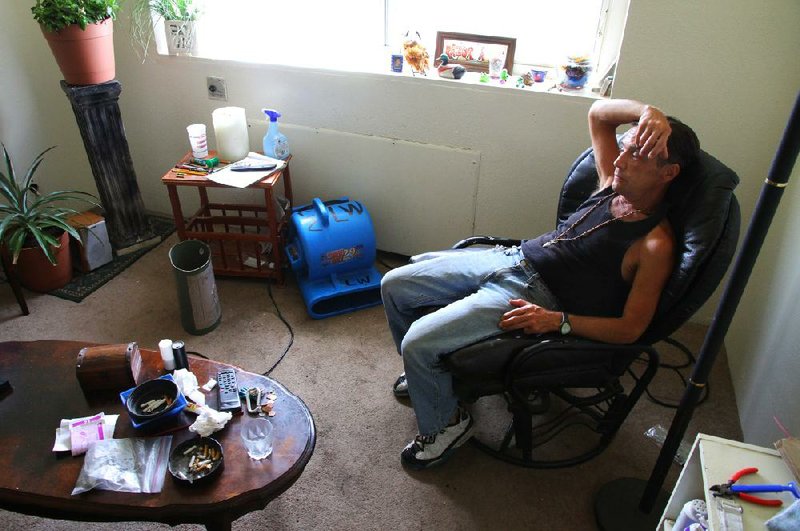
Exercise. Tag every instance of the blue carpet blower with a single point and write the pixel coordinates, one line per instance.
(332, 254)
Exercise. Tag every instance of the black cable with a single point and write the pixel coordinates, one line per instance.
(683, 348)
(401, 259)
(384, 264)
(288, 327)
(690, 360)
(285, 322)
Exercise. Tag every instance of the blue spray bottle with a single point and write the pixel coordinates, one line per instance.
(275, 143)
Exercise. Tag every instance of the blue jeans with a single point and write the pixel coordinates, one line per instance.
(469, 291)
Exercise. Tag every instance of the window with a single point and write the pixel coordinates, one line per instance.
(546, 32)
(359, 35)
(340, 35)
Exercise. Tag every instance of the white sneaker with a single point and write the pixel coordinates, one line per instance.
(429, 450)
(400, 387)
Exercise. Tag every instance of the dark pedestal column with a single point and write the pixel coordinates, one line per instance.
(100, 122)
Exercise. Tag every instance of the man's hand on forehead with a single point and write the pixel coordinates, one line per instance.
(652, 133)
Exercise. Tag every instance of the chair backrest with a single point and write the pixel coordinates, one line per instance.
(705, 217)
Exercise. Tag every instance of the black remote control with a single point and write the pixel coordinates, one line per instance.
(229, 399)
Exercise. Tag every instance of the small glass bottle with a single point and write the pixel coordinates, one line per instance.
(496, 66)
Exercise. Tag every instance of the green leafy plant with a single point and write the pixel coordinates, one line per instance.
(55, 15)
(29, 219)
(175, 9)
(142, 20)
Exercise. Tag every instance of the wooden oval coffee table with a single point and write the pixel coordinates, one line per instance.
(37, 481)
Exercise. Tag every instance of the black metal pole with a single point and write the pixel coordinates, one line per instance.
(771, 194)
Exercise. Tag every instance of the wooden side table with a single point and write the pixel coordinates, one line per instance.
(246, 240)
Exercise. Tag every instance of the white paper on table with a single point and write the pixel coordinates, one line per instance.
(187, 383)
(63, 442)
(243, 179)
(185, 380)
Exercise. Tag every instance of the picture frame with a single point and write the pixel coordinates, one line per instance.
(474, 51)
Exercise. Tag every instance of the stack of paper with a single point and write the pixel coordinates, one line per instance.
(76, 435)
(243, 179)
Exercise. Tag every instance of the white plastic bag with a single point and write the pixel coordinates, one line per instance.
(125, 465)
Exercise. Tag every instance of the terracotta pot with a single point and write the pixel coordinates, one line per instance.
(85, 57)
(36, 273)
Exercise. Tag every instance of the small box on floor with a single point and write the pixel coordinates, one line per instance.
(96, 249)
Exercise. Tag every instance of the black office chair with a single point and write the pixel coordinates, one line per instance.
(552, 384)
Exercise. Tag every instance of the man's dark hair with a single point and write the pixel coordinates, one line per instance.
(683, 145)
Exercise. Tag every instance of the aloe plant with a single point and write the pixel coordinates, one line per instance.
(28, 218)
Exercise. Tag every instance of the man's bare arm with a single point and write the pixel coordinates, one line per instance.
(654, 267)
(656, 260)
(605, 116)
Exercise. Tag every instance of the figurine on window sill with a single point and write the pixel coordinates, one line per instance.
(415, 53)
(449, 71)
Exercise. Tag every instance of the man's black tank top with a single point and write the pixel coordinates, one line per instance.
(585, 273)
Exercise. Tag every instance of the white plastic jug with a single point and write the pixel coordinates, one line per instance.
(230, 129)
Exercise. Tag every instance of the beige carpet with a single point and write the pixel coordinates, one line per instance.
(343, 368)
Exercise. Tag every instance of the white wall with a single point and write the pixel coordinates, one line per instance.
(764, 340)
(34, 112)
(728, 68)
(731, 65)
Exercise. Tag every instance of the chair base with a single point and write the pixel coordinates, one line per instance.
(524, 438)
(527, 460)
(541, 415)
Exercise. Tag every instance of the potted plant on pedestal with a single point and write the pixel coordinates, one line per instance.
(34, 233)
(80, 35)
(179, 17)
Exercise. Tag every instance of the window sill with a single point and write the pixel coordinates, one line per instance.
(470, 80)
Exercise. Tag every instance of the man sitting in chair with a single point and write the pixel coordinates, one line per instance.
(598, 276)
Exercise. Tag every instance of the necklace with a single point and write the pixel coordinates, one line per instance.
(562, 238)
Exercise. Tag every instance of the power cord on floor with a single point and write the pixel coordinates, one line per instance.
(384, 264)
(676, 368)
(283, 320)
(288, 327)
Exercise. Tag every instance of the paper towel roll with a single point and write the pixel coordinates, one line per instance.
(230, 130)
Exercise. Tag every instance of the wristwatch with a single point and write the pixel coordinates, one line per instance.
(565, 327)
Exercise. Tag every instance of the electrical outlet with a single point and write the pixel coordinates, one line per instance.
(216, 88)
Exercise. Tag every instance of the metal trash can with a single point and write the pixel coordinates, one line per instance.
(197, 289)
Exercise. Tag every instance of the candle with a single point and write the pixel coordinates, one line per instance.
(165, 347)
(230, 129)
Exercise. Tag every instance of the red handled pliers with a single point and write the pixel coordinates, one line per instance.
(730, 489)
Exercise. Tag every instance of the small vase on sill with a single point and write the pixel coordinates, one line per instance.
(181, 37)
